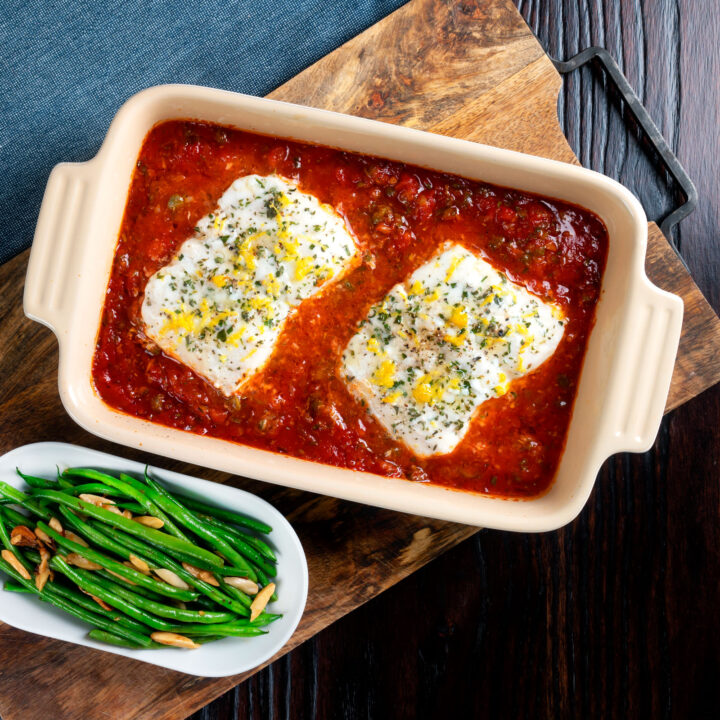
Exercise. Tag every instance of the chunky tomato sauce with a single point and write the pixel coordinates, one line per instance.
(400, 214)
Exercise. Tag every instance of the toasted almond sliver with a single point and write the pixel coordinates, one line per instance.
(169, 638)
(127, 514)
(23, 536)
(113, 509)
(261, 600)
(245, 584)
(120, 577)
(171, 578)
(55, 525)
(204, 575)
(81, 562)
(10, 558)
(44, 562)
(98, 500)
(101, 603)
(70, 535)
(149, 521)
(140, 564)
(98, 600)
(44, 537)
(41, 578)
(128, 564)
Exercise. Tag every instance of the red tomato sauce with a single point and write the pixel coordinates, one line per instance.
(400, 214)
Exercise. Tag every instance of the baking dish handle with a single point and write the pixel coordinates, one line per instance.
(56, 253)
(644, 385)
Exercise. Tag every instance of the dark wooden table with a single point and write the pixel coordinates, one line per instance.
(617, 615)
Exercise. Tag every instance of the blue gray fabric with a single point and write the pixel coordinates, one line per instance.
(66, 67)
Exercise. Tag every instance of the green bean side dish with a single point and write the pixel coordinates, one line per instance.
(144, 567)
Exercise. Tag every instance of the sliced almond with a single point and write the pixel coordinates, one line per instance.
(41, 578)
(10, 558)
(149, 521)
(204, 575)
(44, 573)
(70, 535)
(245, 584)
(169, 638)
(171, 578)
(98, 600)
(120, 577)
(261, 600)
(23, 536)
(98, 500)
(55, 525)
(42, 535)
(44, 561)
(127, 514)
(140, 564)
(81, 562)
(113, 509)
(128, 564)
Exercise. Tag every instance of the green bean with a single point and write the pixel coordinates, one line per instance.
(226, 571)
(164, 561)
(168, 503)
(122, 570)
(14, 517)
(133, 489)
(93, 488)
(62, 482)
(169, 542)
(202, 616)
(264, 580)
(224, 629)
(20, 498)
(238, 594)
(205, 639)
(99, 589)
(223, 514)
(250, 554)
(78, 474)
(133, 507)
(231, 533)
(86, 602)
(92, 535)
(263, 619)
(110, 639)
(205, 603)
(94, 619)
(139, 589)
(12, 586)
(82, 614)
(36, 481)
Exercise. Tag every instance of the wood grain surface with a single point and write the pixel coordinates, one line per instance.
(453, 642)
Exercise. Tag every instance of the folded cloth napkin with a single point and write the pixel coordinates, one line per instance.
(66, 67)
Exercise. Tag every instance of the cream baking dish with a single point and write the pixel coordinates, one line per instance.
(630, 356)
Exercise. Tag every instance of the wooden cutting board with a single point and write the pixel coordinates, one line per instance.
(470, 69)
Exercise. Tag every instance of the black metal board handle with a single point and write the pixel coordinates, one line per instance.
(653, 135)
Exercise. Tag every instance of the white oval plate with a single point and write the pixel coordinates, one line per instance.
(229, 656)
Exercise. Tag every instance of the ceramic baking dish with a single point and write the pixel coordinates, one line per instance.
(630, 356)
